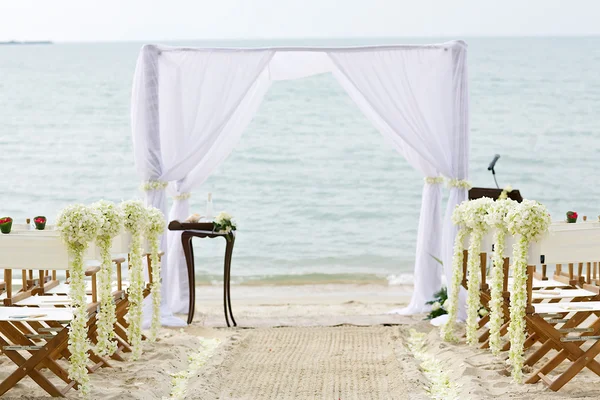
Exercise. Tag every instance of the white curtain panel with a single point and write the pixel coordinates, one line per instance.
(147, 153)
(190, 107)
(409, 94)
(427, 271)
(220, 149)
(182, 101)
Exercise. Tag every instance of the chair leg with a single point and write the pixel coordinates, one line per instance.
(28, 367)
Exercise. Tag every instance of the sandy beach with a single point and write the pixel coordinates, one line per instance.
(307, 342)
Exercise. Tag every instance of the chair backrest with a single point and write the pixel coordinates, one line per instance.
(34, 251)
(567, 243)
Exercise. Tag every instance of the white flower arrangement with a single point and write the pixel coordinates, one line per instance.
(530, 220)
(224, 223)
(434, 180)
(154, 228)
(111, 225)
(458, 217)
(474, 218)
(154, 185)
(459, 183)
(78, 225)
(504, 194)
(495, 220)
(440, 385)
(135, 223)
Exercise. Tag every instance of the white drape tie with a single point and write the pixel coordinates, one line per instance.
(459, 183)
(434, 180)
(154, 185)
(182, 196)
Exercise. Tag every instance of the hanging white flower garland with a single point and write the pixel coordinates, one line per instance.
(474, 219)
(530, 220)
(78, 225)
(154, 228)
(447, 330)
(111, 226)
(135, 223)
(495, 220)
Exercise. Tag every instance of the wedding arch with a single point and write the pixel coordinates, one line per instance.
(191, 105)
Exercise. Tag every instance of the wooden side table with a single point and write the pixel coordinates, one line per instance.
(205, 230)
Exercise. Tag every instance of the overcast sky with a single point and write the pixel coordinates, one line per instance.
(116, 20)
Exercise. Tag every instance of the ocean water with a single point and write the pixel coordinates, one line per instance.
(318, 195)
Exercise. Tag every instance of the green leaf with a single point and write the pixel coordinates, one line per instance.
(436, 259)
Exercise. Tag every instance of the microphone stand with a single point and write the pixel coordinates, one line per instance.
(494, 174)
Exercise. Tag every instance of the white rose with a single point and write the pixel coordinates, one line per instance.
(446, 304)
(483, 312)
(436, 306)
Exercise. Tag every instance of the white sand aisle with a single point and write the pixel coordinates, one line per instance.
(306, 363)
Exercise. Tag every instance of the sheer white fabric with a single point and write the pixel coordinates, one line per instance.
(190, 107)
(409, 95)
(217, 153)
(182, 104)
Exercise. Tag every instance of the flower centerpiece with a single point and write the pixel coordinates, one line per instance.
(78, 226)
(529, 220)
(224, 223)
(6, 224)
(154, 228)
(40, 222)
(571, 217)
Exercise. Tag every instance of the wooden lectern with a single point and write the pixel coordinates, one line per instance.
(477, 193)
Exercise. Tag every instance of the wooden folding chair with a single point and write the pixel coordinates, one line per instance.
(34, 340)
(561, 324)
(45, 336)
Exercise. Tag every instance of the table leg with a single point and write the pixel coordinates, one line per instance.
(225, 285)
(228, 257)
(188, 250)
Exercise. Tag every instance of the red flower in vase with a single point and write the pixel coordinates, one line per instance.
(5, 220)
(39, 220)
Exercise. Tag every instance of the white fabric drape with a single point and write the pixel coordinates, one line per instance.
(190, 107)
(459, 148)
(224, 144)
(182, 103)
(409, 96)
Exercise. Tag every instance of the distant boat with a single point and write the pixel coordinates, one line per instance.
(14, 42)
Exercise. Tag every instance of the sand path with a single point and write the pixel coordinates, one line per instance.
(345, 362)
